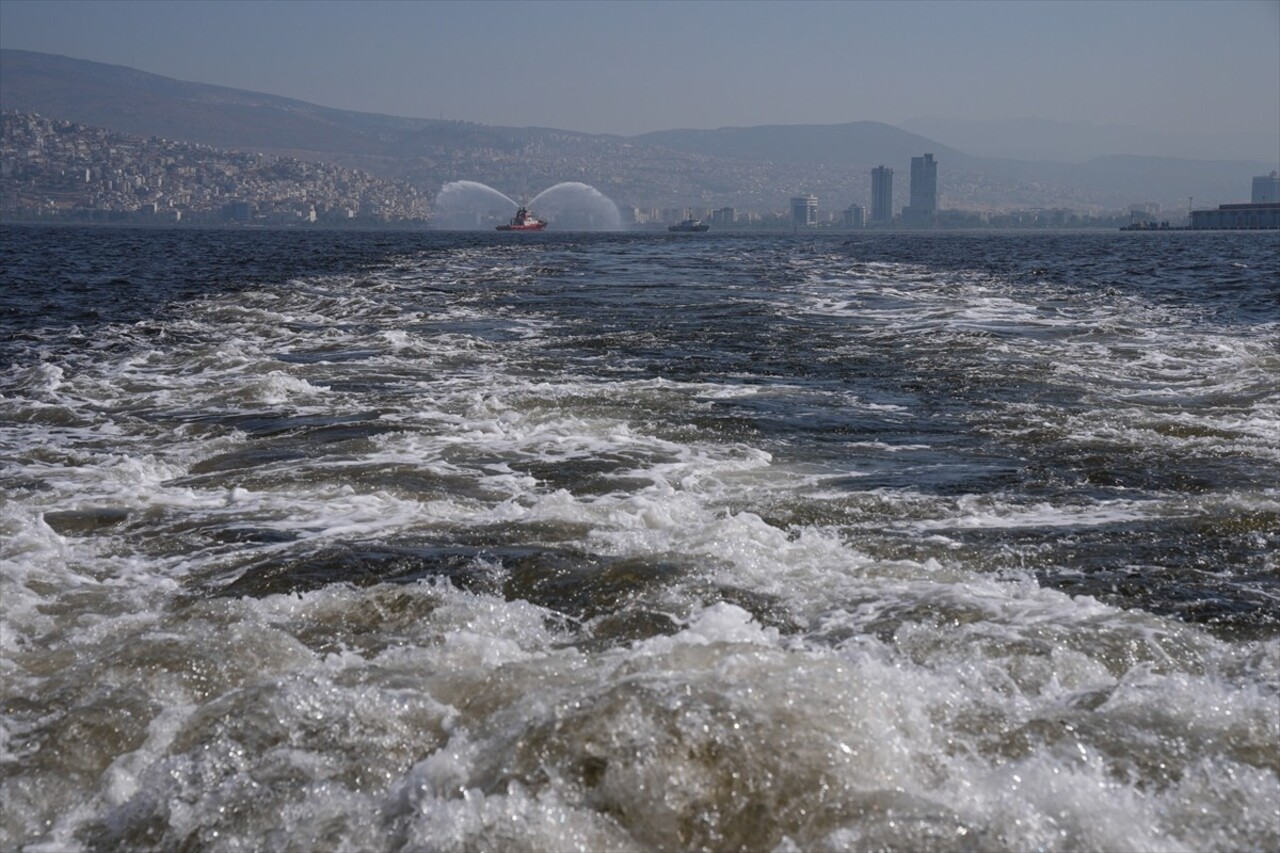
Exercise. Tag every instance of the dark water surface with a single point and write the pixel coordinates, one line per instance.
(372, 540)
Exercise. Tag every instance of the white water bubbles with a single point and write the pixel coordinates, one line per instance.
(511, 596)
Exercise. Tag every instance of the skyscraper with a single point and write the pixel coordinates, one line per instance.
(924, 191)
(804, 211)
(882, 195)
(1266, 189)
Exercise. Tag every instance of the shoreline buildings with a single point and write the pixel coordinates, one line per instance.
(1238, 217)
(804, 211)
(1266, 189)
(56, 169)
(924, 192)
(1261, 214)
(881, 195)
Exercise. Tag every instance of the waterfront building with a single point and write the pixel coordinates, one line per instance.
(237, 211)
(724, 216)
(881, 195)
(1266, 189)
(804, 211)
(1248, 217)
(854, 216)
(1145, 213)
(924, 191)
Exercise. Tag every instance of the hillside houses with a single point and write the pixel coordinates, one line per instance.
(59, 169)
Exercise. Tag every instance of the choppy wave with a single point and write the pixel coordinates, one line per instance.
(636, 543)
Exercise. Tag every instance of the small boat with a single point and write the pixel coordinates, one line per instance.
(524, 221)
(689, 225)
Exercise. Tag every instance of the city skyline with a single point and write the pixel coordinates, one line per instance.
(63, 170)
(629, 68)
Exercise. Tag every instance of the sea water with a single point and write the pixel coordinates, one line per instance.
(549, 542)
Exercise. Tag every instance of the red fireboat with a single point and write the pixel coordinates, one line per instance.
(524, 221)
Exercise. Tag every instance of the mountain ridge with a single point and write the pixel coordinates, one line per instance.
(817, 143)
(757, 166)
(1034, 138)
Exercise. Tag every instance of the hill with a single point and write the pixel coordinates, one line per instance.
(752, 167)
(130, 101)
(1080, 141)
(859, 143)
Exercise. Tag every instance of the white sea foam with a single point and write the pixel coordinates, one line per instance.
(857, 697)
(971, 512)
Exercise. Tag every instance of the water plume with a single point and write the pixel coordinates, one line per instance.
(567, 206)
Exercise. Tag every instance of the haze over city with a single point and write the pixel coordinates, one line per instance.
(1184, 69)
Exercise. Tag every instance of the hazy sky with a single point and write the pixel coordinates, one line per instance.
(611, 66)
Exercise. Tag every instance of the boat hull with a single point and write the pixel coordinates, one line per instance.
(524, 221)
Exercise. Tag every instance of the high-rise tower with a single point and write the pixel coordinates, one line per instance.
(924, 191)
(804, 211)
(1266, 189)
(882, 195)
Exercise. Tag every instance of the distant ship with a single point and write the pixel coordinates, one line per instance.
(524, 221)
(689, 225)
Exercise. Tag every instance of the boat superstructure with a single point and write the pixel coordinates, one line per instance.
(524, 221)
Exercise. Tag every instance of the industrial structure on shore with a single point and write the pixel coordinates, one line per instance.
(1262, 212)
